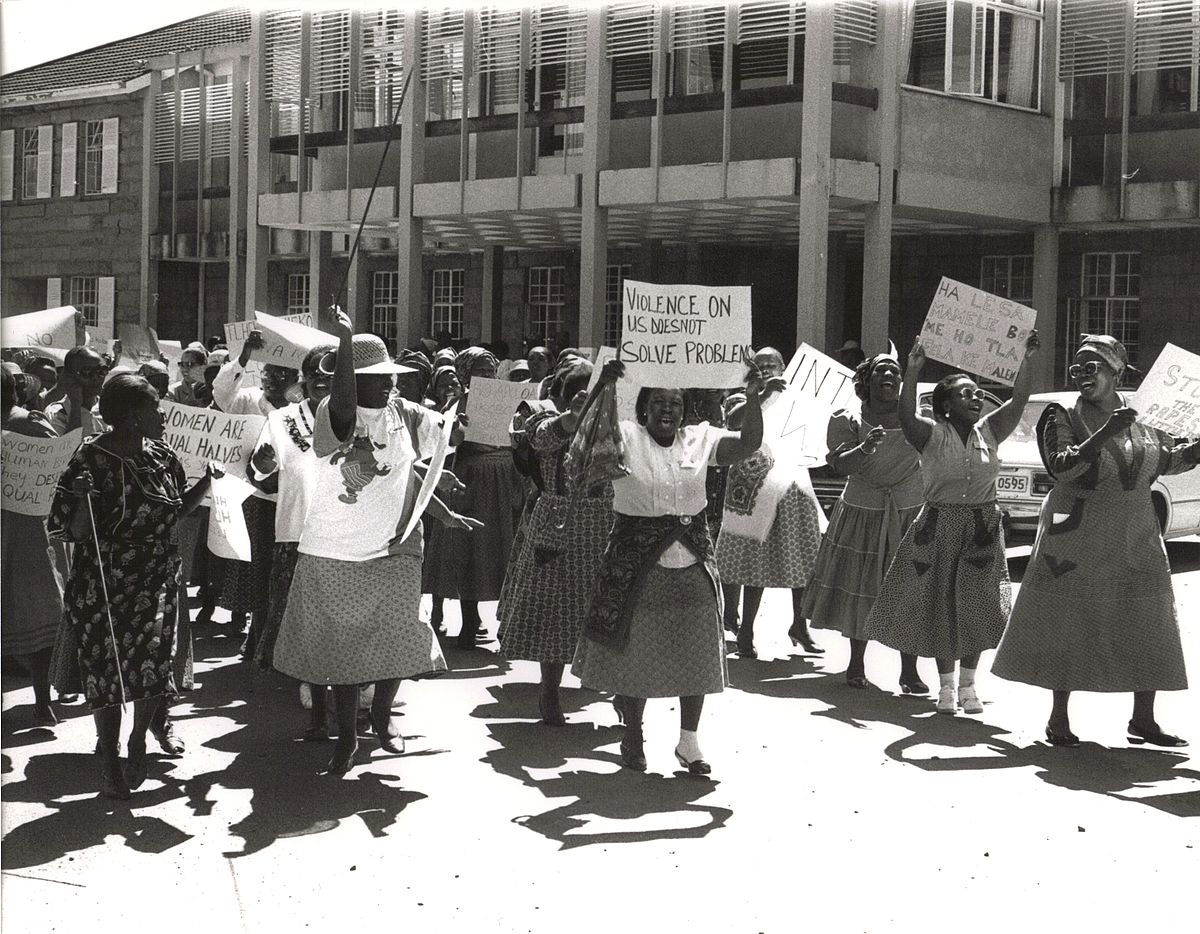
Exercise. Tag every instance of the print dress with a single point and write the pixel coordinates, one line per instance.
(1096, 609)
(136, 504)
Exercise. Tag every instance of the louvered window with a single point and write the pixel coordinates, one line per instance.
(442, 62)
(218, 102)
(854, 21)
(697, 42)
(381, 66)
(1166, 56)
(558, 52)
(770, 46)
(498, 57)
(986, 49)
(559, 34)
(631, 37)
(1092, 37)
(281, 61)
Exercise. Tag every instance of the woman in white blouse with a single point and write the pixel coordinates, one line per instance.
(654, 627)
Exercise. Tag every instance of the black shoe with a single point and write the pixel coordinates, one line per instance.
(914, 686)
(135, 764)
(1154, 736)
(859, 682)
(695, 767)
(745, 646)
(1065, 738)
(342, 761)
(633, 753)
(165, 736)
(550, 708)
(800, 636)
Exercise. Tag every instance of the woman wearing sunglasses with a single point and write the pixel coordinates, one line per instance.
(1083, 624)
(947, 592)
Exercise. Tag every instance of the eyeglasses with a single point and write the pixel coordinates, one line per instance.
(1076, 370)
(967, 393)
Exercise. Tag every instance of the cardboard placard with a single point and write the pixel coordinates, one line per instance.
(138, 343)
(53, 327)
(685, 336)
(173, 351)
(976, 331)
(490, 407)
(287, 342)
(202, 435)
(822, 379)
(30, 468)
(795, 427)
(434, 473)
(228, 536)
(1169, 396)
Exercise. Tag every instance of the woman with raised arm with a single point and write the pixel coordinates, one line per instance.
(352, 610)
(883, 495)
(121, 493)
(654, 626)
(1096, 610)
(947, 593)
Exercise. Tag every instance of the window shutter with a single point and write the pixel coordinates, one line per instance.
(696, 25)
(45, 163)
(1092, 38)
(632, 29)
(108, 164)
(329, 53)
(382, 58)
(218, 101)
(164, 128)
(105, 305)
(68, 162)
(7, 141)
(189, 131)
(756, 21)
(559, 34)
(54, 292)
(442, 44)
(1166, 33)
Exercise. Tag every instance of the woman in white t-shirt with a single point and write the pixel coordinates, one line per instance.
(352, 611)
(654, 627)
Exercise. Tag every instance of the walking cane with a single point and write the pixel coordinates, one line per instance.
(112, 635)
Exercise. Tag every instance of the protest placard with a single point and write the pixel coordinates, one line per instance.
(235, 339)
(821, 378)
(173, 351)
(30, 468)
(138, 343)
(228, 536)
(626, 390)
(287, 342)
(436, 463)
(685, 335)
(490, 407)
(976, 331)
(795, 428)
(53, 327)
(1169, 396)
(202, 435)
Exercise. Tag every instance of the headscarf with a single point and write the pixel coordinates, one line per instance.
(568, 368)
(465, 362)
(433, 383)
(444, 357)
(419, 362)
(1108, 349)
(862, 373)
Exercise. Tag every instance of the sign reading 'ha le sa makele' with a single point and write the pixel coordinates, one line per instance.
(979, 332)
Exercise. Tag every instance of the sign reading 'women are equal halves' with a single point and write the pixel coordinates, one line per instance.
(982, 333)
(685, 335)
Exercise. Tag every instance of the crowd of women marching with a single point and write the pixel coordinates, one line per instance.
(630, 581)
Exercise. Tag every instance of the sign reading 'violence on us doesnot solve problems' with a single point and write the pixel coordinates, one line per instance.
(685, 335)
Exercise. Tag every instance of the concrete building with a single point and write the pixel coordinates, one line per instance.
(510, 167)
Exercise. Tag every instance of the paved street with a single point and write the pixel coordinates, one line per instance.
(829, 809)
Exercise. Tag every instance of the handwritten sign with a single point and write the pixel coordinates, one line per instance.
(138, 343)
(977, 331)
(228, 536)
(287, 342)
(436, 463)
(683, 336)
(202, 435)
(54, 327)
(626, 390)
(235, 338)
(821, 378)
(1169, 396)
(490, 407)
(173, 351)
(30, 468)
(795, 427)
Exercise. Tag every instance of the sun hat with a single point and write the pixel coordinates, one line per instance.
(370, 356)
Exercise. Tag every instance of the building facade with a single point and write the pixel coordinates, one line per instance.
(498, 172)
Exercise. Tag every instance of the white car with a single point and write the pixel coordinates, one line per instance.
(1024, 481)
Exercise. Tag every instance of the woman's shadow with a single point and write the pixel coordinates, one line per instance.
(608, 805)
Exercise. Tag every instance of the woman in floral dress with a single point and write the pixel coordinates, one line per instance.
(121, 600)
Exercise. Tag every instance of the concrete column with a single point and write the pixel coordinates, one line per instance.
(320, 272)
(148, 284)
(410, 325)
(877, 218)
(491, 326)
(237, 190)
(1045, 300)
(593, 239)
(813, 216)
(258, 174)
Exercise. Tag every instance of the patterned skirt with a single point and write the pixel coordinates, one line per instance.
(947, 592)
(854, 557)
(31, 586)
(676, 647)
(1096, 609)
(464, 565)
(283, 568)
(350, 622)
(787, 557)
(247, 584)
(549, 584)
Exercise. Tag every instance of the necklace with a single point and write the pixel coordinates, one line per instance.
(293, 429)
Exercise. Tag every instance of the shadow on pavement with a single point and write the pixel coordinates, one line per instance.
(609, 805)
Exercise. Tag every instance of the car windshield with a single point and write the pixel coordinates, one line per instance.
(1026, 430)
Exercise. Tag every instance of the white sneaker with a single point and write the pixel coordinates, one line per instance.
(969, 700)
(946, 702)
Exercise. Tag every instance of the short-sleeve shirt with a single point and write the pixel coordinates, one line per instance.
(960, 473)
(666, 481)
(289, 431)
(362, 489)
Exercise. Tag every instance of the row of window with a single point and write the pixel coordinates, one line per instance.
(27, 159)
(95, 296)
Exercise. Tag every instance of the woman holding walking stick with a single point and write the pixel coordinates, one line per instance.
(117, 501)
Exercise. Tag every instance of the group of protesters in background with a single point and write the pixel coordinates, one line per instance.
(632, 593)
